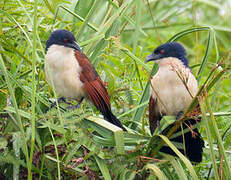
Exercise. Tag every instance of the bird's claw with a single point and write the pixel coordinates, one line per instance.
(73, 106)
(60, 100)
(52, 105)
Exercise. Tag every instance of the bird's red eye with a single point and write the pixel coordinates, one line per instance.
(65, 40)
(161, 51)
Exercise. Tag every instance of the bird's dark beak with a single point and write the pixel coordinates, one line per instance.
(152, 57)
(74, 45)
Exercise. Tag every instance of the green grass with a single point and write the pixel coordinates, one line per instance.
(116, 36)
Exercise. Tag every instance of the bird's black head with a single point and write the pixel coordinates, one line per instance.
(171, 49)
(63, 38)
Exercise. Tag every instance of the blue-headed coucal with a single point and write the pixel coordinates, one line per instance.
(172, 90)
(74, 77)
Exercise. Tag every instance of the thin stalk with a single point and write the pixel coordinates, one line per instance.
(207, 53)
(41, 168)
(195, 25)
(220, 142)
(33, 89)
(56, 152)
(135, 42)
(76, 15)
(106, 16)
(209, 136)
(215, 45)
(133, 109)
(128, 18)
(153, 22)
(87, 18)
(16, 147)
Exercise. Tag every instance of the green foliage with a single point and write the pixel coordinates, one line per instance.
(116, 36)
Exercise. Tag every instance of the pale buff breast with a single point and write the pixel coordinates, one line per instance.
(168, 89)
(62, 66)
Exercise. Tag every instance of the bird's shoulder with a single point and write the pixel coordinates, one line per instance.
(88, 71)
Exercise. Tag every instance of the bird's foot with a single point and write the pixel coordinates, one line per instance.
(75, 106)
(52, 105)
(60, 100)
(178, 116)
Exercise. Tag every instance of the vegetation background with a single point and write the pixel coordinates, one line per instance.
(116, 35)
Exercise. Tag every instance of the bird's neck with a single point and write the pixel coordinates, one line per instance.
(59, 49)
(184, 61)
(169, 62)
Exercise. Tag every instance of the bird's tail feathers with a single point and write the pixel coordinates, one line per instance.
(108, 115)
(191, 139)
(99, 97)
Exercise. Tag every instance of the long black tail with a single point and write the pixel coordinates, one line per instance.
(112, 119)
(109, 116)
(98, 95)
(193, 142)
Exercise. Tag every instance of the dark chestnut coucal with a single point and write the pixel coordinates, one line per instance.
(73, 76)
(172, 89)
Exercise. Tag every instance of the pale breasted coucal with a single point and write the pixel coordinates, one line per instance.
(171, 92)
(74, 77)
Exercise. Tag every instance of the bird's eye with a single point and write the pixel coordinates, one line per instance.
(65, 40)
(162, 51)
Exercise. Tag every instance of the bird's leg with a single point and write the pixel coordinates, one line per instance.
(62, 99)
(81, 100)
(52, 105)
(178, 116)
(77, 105)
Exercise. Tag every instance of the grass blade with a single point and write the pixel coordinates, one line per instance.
(76, 15)
(103, 168)
(182, 157)
(209, 136)
(33, 89)
(155, 170)
(56, 152)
